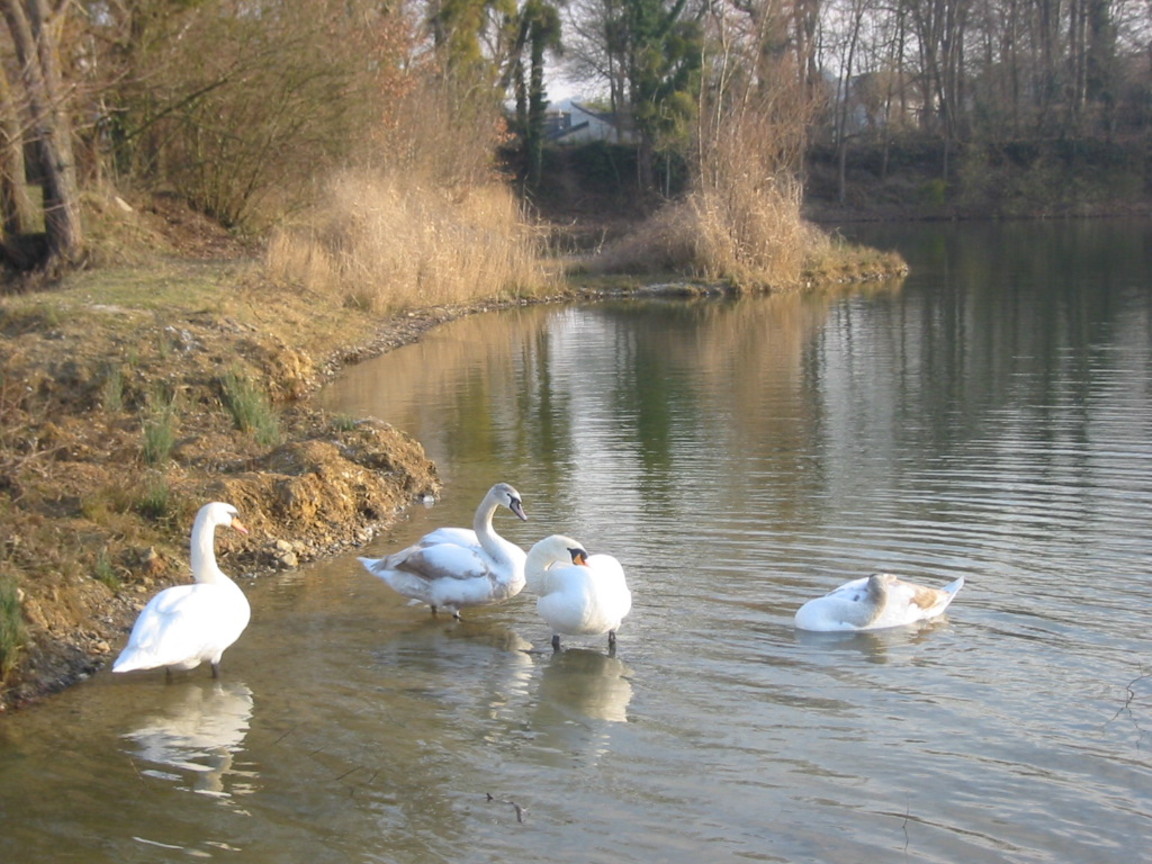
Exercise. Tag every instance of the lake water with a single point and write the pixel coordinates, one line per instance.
(990, 417)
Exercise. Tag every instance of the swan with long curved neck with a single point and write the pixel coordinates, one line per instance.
(874, 603)
(579, 594)
(454, 568)
(186, 625)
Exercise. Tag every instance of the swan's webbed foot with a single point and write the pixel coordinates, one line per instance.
(555, 641)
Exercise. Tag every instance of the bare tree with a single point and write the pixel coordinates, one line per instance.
(34, 27)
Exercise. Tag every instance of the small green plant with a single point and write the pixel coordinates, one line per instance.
(159, 429)
(105, 571)
(112, 390)
(13, 633)
(155, 501)
(251, 408)
(344, 422)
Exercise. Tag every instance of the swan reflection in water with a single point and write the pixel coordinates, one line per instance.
(193, 739)
(874, 645)
(581, 693)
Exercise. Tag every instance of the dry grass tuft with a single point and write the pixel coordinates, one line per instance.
(384, 243)
(751, 238)
(741, 221)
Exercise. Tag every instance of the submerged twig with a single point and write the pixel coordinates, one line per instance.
(520, 811)
(907, 813)
(1129, 698)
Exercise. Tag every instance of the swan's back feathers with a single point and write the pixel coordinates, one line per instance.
(875, 602)
(184, 626)
(585, 600)
(439, 561)
(577, 599)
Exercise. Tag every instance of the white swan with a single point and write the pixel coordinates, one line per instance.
(875, 602)
(579, 595)
(186, 625)
(452, 568)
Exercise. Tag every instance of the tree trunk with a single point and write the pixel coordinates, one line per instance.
(34, 36)
(16, 207)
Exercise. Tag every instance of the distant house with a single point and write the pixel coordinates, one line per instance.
(569, 122)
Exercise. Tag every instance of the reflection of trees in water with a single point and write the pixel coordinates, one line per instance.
(194, 736)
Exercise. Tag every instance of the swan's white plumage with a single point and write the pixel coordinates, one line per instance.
(186, 625)
(578, 594)
(454, 568)
(875, 602)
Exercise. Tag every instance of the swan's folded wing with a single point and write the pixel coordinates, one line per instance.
(459, 536)
(611, 584)
(921, 600)
(447, 561)
(173, 627)
(852, 592)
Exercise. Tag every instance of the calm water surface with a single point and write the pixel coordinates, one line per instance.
(991, 417)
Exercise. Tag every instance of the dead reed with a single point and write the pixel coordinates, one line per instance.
(387, 243)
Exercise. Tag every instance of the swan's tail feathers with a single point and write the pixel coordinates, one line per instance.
(950, 590)
(375, 566)
(134, 660)
(125, 663)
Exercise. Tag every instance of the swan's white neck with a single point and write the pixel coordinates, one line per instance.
(203, 552)
(492, 543)
(540, 560)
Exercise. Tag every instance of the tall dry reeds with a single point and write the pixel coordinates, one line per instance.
(741, 220)
(740, 223)
(422, 219)
(385, 242)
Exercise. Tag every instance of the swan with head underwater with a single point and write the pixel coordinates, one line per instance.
(454, 568)
(579, 594)
(875, 602)
(186, 625)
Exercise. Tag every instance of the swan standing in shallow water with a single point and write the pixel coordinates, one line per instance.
(579, 595)
(875, 602)
(452, 568)
(186, 625)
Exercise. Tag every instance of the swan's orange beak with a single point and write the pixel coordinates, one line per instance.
(579, 556)
(238, 525)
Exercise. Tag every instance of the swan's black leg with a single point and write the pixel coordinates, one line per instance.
(611, 643)
(432, 606)
(215, 670)
(555, 641)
